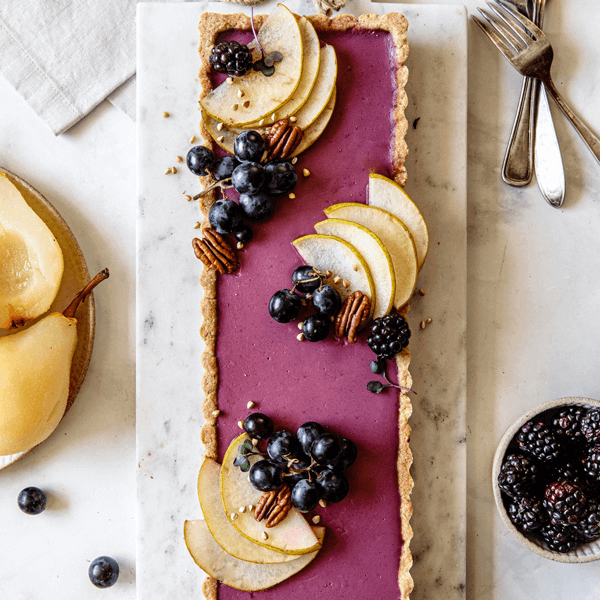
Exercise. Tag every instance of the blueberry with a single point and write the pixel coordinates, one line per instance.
(249, 146)
(283, 444)
(257, 207)
(104, 571)
(243, 234)
(225, 216)
(225, 168)
(284, 306)
(32, 501)
(258, 426)
(266, 475)
(347, 455)
(201, 161)
(281, 177)
(306, 279)
(305, 495)
(309, 433)
(316, 328)
(333, 486)
(248, 178)
(326, 449)
(327, 301)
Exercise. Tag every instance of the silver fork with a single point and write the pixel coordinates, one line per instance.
(530, 53)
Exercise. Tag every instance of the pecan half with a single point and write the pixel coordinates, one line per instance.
(215, 252)
(274, 506)
(283, 139)
(353, 316)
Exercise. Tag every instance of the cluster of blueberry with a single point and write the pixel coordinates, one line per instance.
(103, 571)
(311, 462)
(285, 305)
(258, 185)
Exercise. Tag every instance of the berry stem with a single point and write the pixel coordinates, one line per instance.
(212, 187)
(262, 52)
(399, 387)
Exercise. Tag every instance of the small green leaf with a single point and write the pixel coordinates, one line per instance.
(245, 467)
(248, 445)
(376, 387)
(242, 462)
(375, 367)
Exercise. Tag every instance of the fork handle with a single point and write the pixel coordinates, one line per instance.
(589, 137)
(518, 160)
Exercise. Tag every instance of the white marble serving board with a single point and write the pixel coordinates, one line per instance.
(168, 301)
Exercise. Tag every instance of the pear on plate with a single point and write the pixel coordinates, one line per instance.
(35, 367)
(31, 261)
(236, 573)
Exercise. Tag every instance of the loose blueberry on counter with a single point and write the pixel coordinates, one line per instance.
(305, 495)
(258, 426)
(266, 475)
(225, 168)
(201, 161)
(306, 279)
(326, 449)
(316, 328)
(256, 207)
(104, 572)
(284, 306)
(225, 216)
(327, 301)
(249, 146)
(281, 177)
(248, 178)
(333, 486)
(308, 433)
(281, 444)
(32, 501)
(243, 234)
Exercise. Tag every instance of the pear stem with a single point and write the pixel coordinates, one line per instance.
(72, 308)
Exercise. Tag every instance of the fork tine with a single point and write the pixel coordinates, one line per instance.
(515, 30)
(527, 26)
(502, 28)
(493, 34)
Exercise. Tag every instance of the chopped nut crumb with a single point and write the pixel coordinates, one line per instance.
(240, 93)
(337, 279)
(328, 273)
(294, 160)
(265, 535)
(220, 138)
(422, 325)
(274, 117)
(346, 283)
(316, 519)
(241, 424)
(179, 158)
(188, 198)
(254, 442)
(300, 323)
(323, 503)
(197, 225)
(250, 404)
(261, 122)
(428, 320)
(246, 104)
(300, 337)
(220, 127)
(291, 195)
(421, 292)
(234, 106)
(167, 171)
(305, 172)
(216, 413)
(233, 516)
(242, 509)
(192, 139)
(239, 245)
(166, 114)
(250, 507)
(230, 80)
(293, 119)
(174, 169)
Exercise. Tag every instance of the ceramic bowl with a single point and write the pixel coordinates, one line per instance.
(587, 552)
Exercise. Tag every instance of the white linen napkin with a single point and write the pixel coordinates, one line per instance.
(66, 56)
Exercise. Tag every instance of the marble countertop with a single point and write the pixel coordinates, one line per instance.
(533, 326)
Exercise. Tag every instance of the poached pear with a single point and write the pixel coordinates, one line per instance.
(35, 367)
(31, 261)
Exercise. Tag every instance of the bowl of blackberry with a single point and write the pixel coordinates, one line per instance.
(546, 480)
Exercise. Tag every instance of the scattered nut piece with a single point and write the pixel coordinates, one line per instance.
(265, 535)
(295, 159)
(230, 80)
(300, 337)
(337, 279)
(187, 197)
(233, 516)
(316, 519)
(220, 138)
(254, 442)
(216, 413)
(179, 158)
(197, 225)
(291, 195)
(220, 127)
(428, 320)
(300, 324)
(166, 114)
(167, 171)
(174, 169)
(274, 117)
(246, 104)
(192, 139)
(250, 507)
(305, 172)
(345, 283)
(240, 93)
(261, 122)
(234, 106)
(421, 292)
(328, 273)
(422, 325)
(250, 404)
(293, 119)
(323, 503)
(241, 424)
(242, 509)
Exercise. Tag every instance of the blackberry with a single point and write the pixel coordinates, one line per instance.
(232, 58)
(590, 426)
(591, 464)
(517, 475)
(564, 502)
(540, 441)
(389, 335)
(527, 514)
(559, 539)
(569, 469)
(568, 424)
(588, 527)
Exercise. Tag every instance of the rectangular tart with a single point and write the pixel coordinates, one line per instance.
(249, 357)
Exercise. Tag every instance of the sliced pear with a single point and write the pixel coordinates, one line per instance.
(394, 235)
(225, 138)
(31, 261)
(225, 534)
(327, 252)
(311, 52)
(375, 254)
(292, 536)
(236, 573)
(281, 33)
(387, 194)
(314, 131)
(321, 93)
